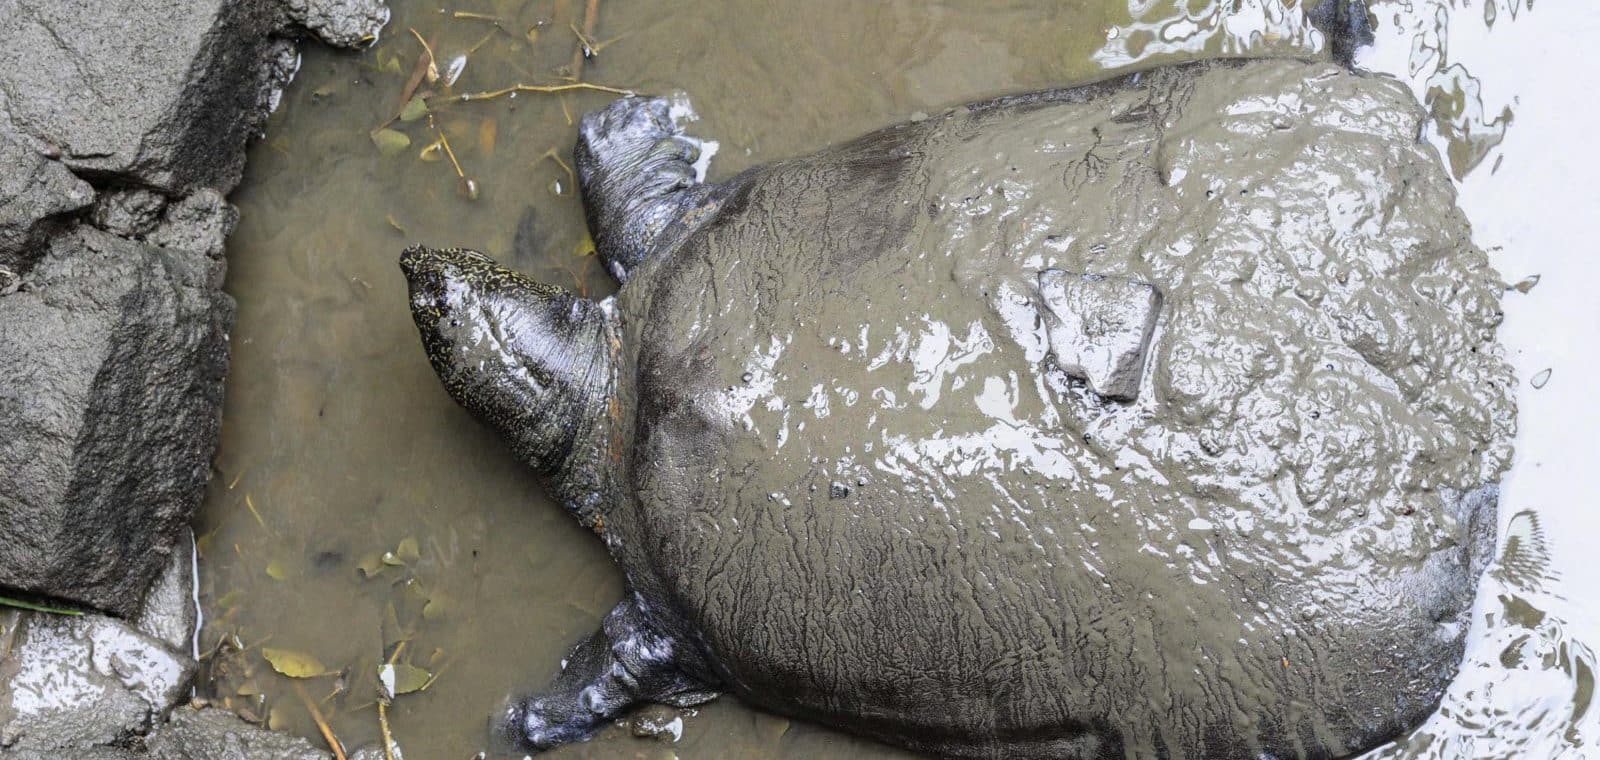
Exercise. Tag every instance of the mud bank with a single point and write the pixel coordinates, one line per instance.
(122, 127)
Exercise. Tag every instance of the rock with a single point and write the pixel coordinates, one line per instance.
(162, 93)
(657, 722)
(374, 751)
(72, 682)
(111, 372)
(196, 734)
(128, 213)
(169, 612)
(345, 23)
(210, 734)
(1100, 328)
(34, 193)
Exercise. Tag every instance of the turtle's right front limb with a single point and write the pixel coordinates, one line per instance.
(624, 663)
(637, 172)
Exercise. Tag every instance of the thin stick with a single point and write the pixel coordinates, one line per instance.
(322, 723)
(542, 88)
(383, 725)
(433, 60)
(591, 14)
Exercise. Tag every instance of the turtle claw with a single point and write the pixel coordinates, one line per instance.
(638, 175)
(622, 664)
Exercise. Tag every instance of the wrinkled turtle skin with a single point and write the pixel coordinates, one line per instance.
(834, 434)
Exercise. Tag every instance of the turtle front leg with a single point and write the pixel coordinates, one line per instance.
(638, 176)
(624, 663)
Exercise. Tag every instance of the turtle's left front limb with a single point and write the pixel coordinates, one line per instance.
(622, 664)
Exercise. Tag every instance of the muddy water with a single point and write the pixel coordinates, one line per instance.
(355, 506)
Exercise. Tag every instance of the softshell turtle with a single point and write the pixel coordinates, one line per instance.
(1158, 417)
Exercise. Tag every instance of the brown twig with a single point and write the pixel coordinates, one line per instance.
(322, 723)
(591, 15)
(383, 726)
(544, 88)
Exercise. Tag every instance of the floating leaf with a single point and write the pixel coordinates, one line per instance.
(399, 678)
(414, 109)
(487, 132)
(249, 689)
(370, 565)
(277, 570)
(398, 227)
(433, 151)
(468, 188)
(533, 34)
(275, 720)
(390, 141)
(227, 600)
(391, 560)
(392, 65)
(433, 610)
(407, 550)
(293, 664)
(585, 246)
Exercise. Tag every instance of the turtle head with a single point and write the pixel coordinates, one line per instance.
(533, 361)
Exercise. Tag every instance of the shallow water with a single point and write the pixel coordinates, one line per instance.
(340, 446)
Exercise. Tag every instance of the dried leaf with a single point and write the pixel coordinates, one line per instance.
(414, 109)
(585, 246)
(399, 678)
(275, 720)
(390, 141)
(433, 151)
(402, 230)
(487, 132)
(407, 550)
(293, 664)
(370, 565)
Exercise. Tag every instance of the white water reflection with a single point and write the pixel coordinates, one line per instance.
(1226, 27)
(1525, 168)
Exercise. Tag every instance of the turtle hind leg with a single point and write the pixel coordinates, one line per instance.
(624, 663)
(637, 172)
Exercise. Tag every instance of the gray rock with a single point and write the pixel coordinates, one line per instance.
(34, 193)
(162, 93)
(195, 734)
(1099, 328)
(111, 372)
(212, 734)
(169, 612)
(128, 213)
(374, 751)
(345, 23)
(71, 682)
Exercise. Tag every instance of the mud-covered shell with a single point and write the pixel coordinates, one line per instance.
(853, 477)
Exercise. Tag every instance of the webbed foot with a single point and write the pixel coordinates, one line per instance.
(638, 175)
(622, 664)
